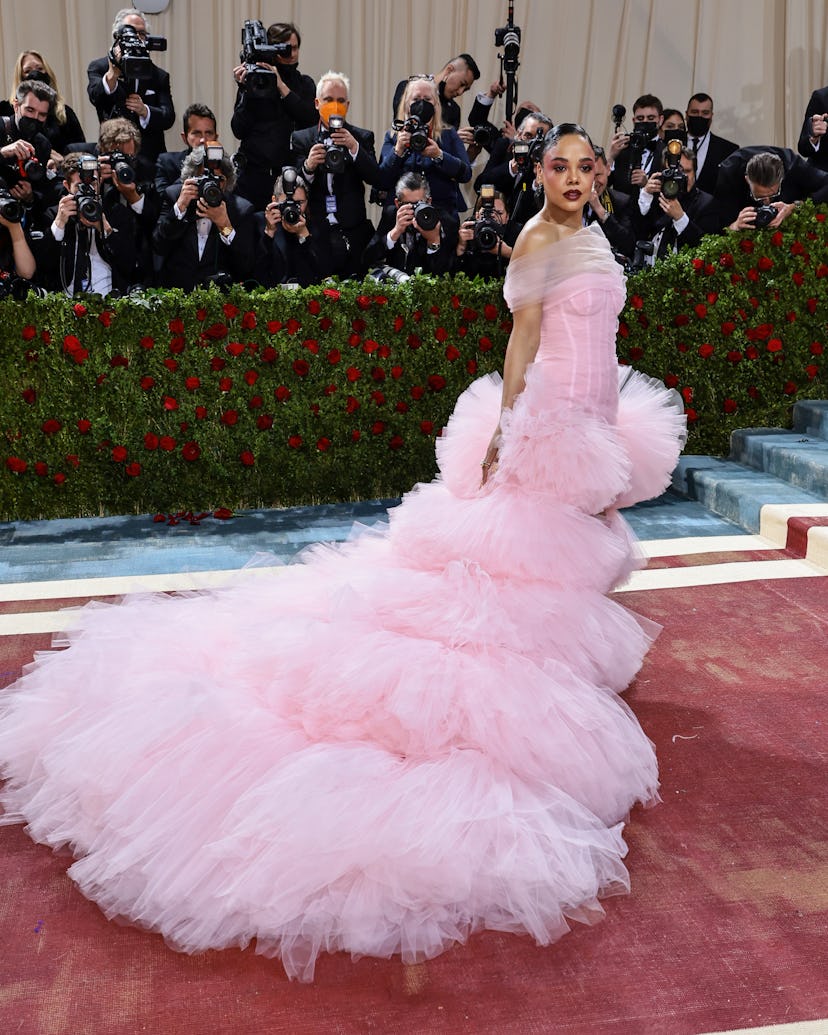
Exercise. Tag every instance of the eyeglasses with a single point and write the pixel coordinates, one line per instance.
(414, 78)
(764, 199)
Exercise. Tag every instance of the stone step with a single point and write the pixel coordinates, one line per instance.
(795, 457)
(810, 417)
(736, 492)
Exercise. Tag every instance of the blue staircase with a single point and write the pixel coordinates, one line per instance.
(765, 466)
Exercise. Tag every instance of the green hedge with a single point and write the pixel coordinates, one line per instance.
(172, 402)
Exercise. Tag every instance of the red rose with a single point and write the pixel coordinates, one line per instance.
(746, 245)
(698, 265)
(282, 393)
(751, 352)
(176, 326)
(417, 392)
(191, 451)
(469, 315)
(706, 350)
(301, 367)
(726, 261)
(51, 426)
(295, 441)
(691, 414)
(681, 320)
(821, 271)
(636, 352)
(753, 274)
(200, 412)
(417, 315)
(369, 346)
(774, 345)
(380, 300)
(29, 395)
(235, 348)
(229, 418)
(396, 442)
(399, 323)
(325, 323)
(323, 444)
(402, 407)
(250, 377)
(265, 422)
(171, 364)
(16, 465)
(249, 320)
(378, 397)
(331, 293)
(485, 344)
(776, 239)
(84, 426)
(150, 441)
(312, 345)
(353, 374)
(413, 341)
(820, 217)
(256, 403)
(314, 307)
(441, 334)
(330, 389)
(292, 326)
(734, 356)
(133, 469)
(671, 380)
(269, 354)
(59, 478)
(119, 454)
(637, 302)
(225, 384)
(378, 427)
(363, 301)
(170, 403)
(378, 373)
(201, 315)
(334, 356)
(728, 327)
(753, 392)
(352, 404)
(79, 309)
(436, 382)
(217, 363)
(247, 458)
(490, 311)
(167, 443)
(72, 459)
(687, 394)
(191, 383)
(273, 326)
(426, 426)
(765, 263)
(356, 435)
(816, 348)
(730, 406)
(230, 311)
(452, 353)
(736, 278)
(41, 469)
(798, 248)
(789, 388)
(811, 305)
(28, 332)
(215, 331)
(812, 370)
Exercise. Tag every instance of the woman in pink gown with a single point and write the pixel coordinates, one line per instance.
(408, 737)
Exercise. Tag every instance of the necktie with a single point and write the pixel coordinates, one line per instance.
(695, 145)
(81, 260)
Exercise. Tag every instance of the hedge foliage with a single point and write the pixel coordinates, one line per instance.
(169, 402)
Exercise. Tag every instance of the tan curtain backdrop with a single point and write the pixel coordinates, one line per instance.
(759, 59)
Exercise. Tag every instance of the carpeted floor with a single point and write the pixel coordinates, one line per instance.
(725, 927)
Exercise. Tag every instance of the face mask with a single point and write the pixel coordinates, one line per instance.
(332, 108)
(423, 110)
(28, 127)
(697, 126)
(39, 77)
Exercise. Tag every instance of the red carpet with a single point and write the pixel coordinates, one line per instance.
(725, 927)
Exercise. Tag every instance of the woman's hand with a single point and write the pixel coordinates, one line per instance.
(489, 462)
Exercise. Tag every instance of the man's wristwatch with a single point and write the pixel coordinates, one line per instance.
(226, 231)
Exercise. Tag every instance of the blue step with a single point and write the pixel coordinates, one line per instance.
(734, 491)
(797, 458)
(810, 417)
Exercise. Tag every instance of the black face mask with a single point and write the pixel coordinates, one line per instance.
(28, 127)
(697, 125)
(423, 110)
(39, 77)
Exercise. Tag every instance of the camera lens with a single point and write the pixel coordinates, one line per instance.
(425, 215)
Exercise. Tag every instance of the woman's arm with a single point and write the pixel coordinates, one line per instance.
(23, 260)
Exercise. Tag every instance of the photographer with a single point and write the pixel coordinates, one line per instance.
(484, 243)
(205, 233)
(274, 98)
(420, 143)
(452, 81)
(610, 209)
(17, 263)
(413, 235)
(62, 126)
(511, 168)
(812, 143)
(337, 160)
(633, 156)
(287, 250)
(673, 211)
(199, 127)
(88, 250)
(26, 152)
(754, 181)
(116, 92)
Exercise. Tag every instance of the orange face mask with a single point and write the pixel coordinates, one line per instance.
(332, 108)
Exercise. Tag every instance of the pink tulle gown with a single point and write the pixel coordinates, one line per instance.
(402, 739)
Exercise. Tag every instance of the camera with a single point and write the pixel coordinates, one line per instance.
(290, 208)
(335, 154)
(642, 139)
(425, 215)
(639, 259)
(508, 37)
(419, 133)
(485, 134)
(134, 60)
(208, 184)
(10, 207)
(487, 229)
(527, 152)
(260, 82)
(765, 215)
(122, 167)
(673, 177)
(86, 196)
(17, 169)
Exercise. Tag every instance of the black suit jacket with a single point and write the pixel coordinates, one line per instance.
(618, 227)
(623, 168)
(118, 250)
(818, 105)
(699, 207)
(176, 242)
(717, 150)
(168, 168)
(283, 258)
(155, 92)
(801, 180)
